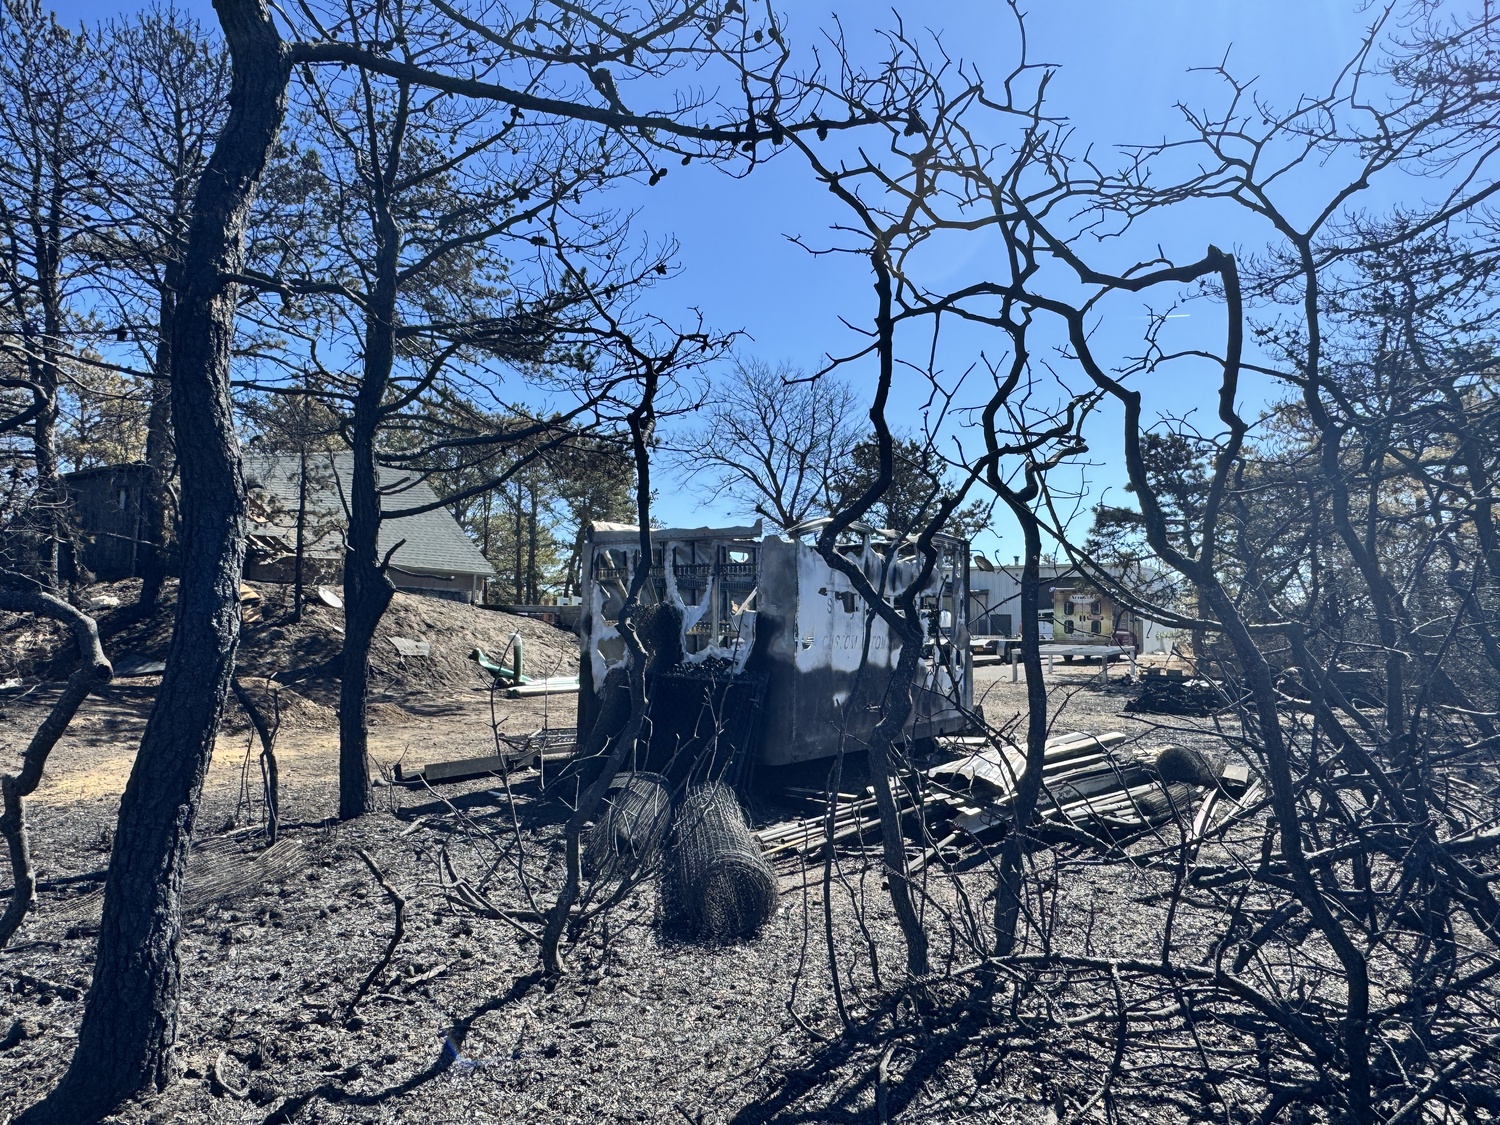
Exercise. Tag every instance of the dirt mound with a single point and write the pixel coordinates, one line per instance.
(281, 705)
(454, 630)
(304, 656)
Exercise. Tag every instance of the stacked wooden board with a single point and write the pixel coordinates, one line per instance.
(1089, 782)
(515, 752)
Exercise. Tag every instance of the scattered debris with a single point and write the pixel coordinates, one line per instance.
(1177, 763)
(1169, 693)
(406, 646)
(20, 1031)
(852, 818)
(250, 604)
(556, 685)
(1086, 785)
(514, 752)
(221, 1085)
(464, 769)
(1235, 780)
(720, 887)
(329, 598)
(218, 873)
(28, 984)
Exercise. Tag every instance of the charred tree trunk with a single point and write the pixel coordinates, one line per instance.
(159, 456)
(367, 593)
(47, 220)
(49, 487)
(1008, 887)
(489, 505)
(519, 586)
(533, 587)
(892, 726)
(367, 590)
(130, 1016)
(298, 592)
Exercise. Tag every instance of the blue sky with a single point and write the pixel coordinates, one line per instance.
(1123, 65)
(1122, 68)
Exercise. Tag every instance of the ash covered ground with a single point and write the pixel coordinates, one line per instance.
(643, 1027)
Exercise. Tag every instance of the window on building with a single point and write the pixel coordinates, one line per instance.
(124, 498)
(1096, 625)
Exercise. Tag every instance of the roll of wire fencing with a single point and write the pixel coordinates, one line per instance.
(718, 885)
(627, 841)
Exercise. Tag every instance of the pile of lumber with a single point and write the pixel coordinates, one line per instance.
(1089, 783)
(853, 817)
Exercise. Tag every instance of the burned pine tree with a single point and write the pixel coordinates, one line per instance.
(55, 129)
(130, 1017)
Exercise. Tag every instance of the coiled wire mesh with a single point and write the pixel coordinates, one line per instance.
(630, 836)
(719, 886)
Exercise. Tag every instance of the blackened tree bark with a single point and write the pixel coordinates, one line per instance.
(367, 590)
(130, 1015)
(533, 587)
(520, 536)
(298, 593)
(1008, 886)
(159, 455)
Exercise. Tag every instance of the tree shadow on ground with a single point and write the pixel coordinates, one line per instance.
(931, 1032)
(449, 1055)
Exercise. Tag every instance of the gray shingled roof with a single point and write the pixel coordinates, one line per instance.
(435, 544)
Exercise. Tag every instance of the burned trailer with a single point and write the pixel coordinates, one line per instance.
(795, 663)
